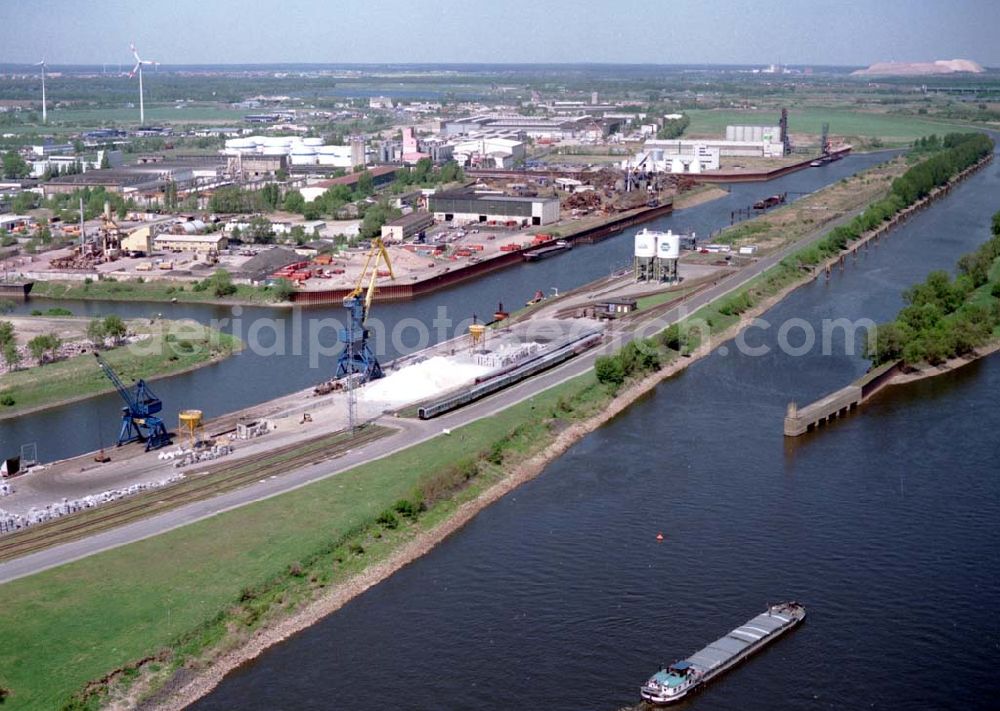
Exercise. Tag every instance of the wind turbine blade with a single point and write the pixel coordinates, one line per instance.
(134, 69)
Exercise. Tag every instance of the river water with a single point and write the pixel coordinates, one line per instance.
(559, 596)
(284, 363)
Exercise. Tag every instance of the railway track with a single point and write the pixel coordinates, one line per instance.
(199, 483)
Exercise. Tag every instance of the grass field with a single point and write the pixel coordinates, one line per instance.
(890, 129)
(67, 626)
(66, 119)
(171, 349)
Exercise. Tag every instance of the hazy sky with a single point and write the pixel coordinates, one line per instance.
(844, 32)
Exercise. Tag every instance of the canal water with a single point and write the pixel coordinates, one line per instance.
(883, 524)
(284, 363)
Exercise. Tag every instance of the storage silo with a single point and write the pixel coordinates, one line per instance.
(303, 155)
(644, 254)
(668, 252)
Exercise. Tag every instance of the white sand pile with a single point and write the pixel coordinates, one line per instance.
(422, 380)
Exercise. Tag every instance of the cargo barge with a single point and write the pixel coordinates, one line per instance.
(536, 255)
(672, 684)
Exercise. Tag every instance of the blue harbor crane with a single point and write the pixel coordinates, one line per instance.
(357, 360)
(139, 421)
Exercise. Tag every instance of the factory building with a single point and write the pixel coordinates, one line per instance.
(489, 152)
(675, 157)
(16, 223)
(380, 175)
(406, 226)
(553, 129)
(138, 241)
(753, 134)
(214, 242)
(468, 206)
(255, 166)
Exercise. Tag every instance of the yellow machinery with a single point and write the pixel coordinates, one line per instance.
(357, 356)
(189, 425)
(477, 334)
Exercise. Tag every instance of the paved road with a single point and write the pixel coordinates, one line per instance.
(411, 432)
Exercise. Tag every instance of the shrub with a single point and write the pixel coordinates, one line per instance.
(387, 519)
(407, 508)
(7, 400)
(609, 370)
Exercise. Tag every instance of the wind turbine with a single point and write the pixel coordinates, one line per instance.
(138, 68)
(42, 65)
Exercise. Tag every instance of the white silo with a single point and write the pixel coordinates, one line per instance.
(668, 252)
(644, 254)
(668, 245)
(645, 243)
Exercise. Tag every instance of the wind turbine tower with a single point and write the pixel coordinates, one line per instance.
(138, 68)
(44, 114)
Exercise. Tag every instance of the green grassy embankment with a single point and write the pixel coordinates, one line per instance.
(229, 574)
(172, 347)
(154, 290)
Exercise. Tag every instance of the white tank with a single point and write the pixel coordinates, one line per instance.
(240, 143)
(303, 159)
(332, 150)
(668, 246)
(300, 150)
(312, 141)
(336, 161)
(645, 244)
(274, 151)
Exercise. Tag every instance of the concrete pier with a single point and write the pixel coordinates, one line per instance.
(801, 420)
(798, 420)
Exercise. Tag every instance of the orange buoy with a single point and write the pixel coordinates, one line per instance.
(659, 537)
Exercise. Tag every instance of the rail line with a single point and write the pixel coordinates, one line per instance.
(198, 484)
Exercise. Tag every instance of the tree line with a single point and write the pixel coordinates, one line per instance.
(944, 317)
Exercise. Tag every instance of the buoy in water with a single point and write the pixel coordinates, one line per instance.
(659, 537)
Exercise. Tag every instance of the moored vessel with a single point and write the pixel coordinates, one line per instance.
(534, 255)
(673, 683)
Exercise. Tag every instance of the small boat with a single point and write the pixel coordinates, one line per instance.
(673, 683)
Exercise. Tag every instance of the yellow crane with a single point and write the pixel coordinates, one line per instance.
(357, 356)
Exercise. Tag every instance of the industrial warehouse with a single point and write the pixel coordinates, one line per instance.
(467, 206)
